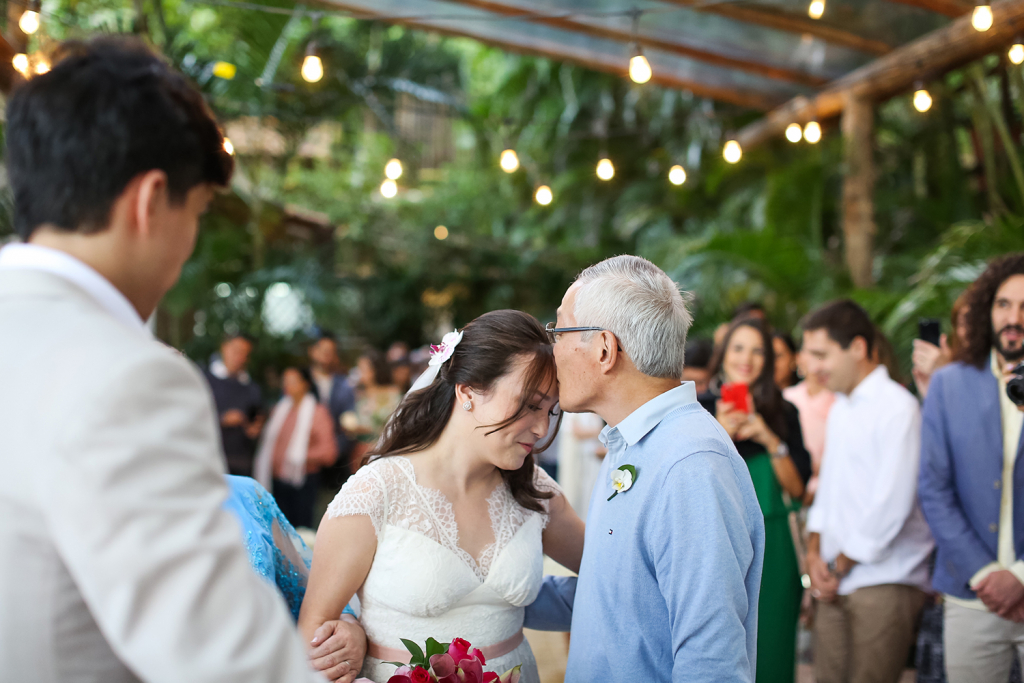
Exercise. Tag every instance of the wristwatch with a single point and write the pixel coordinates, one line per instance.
(781, 451)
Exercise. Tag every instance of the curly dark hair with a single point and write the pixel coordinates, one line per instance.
(975, 349)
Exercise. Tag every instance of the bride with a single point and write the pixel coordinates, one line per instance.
(443, 533)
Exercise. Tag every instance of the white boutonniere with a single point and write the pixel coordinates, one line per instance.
(622, 480)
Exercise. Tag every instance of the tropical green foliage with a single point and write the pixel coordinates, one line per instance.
(950, 190)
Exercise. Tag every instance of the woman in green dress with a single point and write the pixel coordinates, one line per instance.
(767, 434)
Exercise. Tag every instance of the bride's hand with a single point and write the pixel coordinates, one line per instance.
(338, 649)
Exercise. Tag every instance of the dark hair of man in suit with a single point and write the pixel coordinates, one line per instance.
(108, 111)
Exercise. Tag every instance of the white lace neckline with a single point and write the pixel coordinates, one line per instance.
(443, 512)
(387, 492)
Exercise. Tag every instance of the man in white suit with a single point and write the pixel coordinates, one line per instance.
(117, 562)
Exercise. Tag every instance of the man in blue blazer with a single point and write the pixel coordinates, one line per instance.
(972, 485)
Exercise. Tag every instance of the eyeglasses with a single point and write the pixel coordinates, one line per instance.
(553, 331)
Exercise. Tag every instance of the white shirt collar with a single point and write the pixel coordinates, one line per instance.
(874, 381)
(34, 257)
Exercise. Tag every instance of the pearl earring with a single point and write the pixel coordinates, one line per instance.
(468, 405)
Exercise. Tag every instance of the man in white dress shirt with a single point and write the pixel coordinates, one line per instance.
(869, 545)
(117, 562)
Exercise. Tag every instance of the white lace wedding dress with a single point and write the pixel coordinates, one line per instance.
(422, 584)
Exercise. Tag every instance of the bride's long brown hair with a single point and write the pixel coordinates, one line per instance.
(491, 345)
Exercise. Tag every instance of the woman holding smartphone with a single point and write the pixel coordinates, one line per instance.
(766, 429)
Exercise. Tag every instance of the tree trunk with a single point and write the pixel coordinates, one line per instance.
(858, 184)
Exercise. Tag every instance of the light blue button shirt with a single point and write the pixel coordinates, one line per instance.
(671, 568)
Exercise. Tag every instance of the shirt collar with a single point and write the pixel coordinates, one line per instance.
(649, 415)
(34, 257)
(870, 384)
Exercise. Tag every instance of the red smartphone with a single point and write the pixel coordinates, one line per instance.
(735, 394)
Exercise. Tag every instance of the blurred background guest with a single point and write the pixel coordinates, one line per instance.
(401, 375)
(298, 442)
(697, 366)
(814, 401)
(337, 395)
(767, 435)
(785, 360)
(376, 398)
(928, 357)
(239, 403)
(579, 458)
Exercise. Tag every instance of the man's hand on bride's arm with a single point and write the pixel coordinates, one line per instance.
(339, 647)
(563, 537)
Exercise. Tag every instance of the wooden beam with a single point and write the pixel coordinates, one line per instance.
(755, 66)
(614, 64)
(921, 60)
(949, 8)
(786, 21)
(858, 184)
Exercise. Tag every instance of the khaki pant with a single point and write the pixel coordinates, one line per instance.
(865, 637)
(979, 646)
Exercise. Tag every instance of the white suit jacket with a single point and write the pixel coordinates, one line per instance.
(117, 562)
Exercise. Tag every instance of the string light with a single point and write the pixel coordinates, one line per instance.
(42, 66)
(816, 9)
(732, 151)
(393, 169)
(794, 133)
(812, 132)
(509, 161)
(677, 175)
(543, 195)
(389, 188)
(228, 147)
(639, 68)
(922, 98)
(441, 232)
(20, 63)
(1016, 53)
(981, 19)
(605, 169)
(225, 70)
(29, 22)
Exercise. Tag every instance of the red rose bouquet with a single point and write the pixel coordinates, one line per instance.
(455, 662)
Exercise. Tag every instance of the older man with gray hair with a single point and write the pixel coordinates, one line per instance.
(671, 569)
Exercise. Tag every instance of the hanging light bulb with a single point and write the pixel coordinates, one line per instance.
(732, 151)
(312, 67)
(922, 98)
(605, 169)
(441, 232)
(794, 133)
(20, 63)
(677, 175)
(393, 169)
(812, 132)
(639, 67)
(42, 66)
(389, 188)
(225, 70)
(981, 19)
(1016, 53)
(509, 161)
(228, 147)
(543, 195)
(816, 9)
(29, 22)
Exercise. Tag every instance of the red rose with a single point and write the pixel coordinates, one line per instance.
(421, 675)
(478, 655)
(459, 649)
(491, 677)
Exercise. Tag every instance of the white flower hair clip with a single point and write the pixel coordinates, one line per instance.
(442, 352)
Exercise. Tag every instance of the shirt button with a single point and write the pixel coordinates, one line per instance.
(993, 528)
(997, 484)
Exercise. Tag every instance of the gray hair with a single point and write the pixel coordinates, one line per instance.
(637, 302)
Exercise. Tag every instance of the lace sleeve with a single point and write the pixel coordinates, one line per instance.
(363, 494)
(543, 481)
